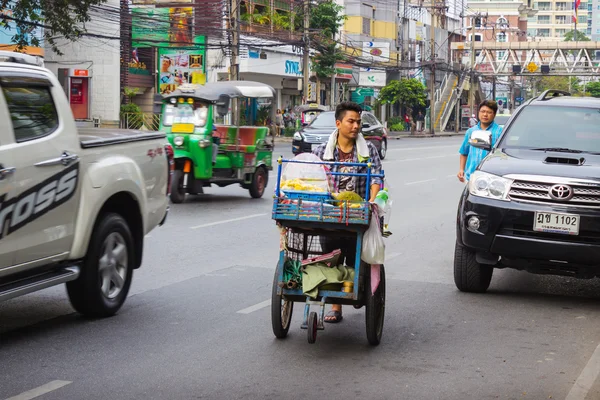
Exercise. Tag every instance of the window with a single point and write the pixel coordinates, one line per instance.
(31, 108)
(502, 37)
(552, 126)
(561, 19)
(543, 19)
(366, 26)
(500, 55)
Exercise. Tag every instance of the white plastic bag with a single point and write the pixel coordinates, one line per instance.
(373, 247)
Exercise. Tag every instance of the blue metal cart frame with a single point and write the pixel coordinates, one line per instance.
(323, 217)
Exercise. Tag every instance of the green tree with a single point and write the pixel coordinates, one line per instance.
(593, 88)
(569, 84)
(325, 22)
(570, 36)
(60, 18)
(408, 92)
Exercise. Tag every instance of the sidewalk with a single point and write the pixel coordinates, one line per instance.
(396, 136)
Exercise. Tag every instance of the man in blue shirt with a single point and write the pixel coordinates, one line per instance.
(470, 157)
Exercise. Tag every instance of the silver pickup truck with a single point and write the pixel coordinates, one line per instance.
(74, 205)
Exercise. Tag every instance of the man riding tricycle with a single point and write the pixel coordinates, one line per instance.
(207, 153)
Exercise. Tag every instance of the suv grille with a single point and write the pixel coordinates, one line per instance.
(537, 192)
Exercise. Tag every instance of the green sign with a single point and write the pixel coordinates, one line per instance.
(364, 92)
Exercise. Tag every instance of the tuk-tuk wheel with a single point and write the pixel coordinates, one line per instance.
(259, 183)
(312, 327)
(375, 307)
(177, 190)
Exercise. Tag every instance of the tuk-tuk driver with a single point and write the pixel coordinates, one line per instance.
(347, 144)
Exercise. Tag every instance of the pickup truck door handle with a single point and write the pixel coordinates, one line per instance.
(6, 171)
(65, 159)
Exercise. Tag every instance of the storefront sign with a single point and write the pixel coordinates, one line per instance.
(293, 68)
(343, 71)
(371, 78)
(376, 51)
(79, 72)
(179, 66)
(151, 2)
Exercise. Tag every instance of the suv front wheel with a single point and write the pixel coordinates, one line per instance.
(469, 275)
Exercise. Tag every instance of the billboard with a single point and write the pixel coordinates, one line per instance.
(163, 27)
(179, 66)
(376, 51)
(10, 30)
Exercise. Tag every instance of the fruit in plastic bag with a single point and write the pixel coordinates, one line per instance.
(305, 177)
(352, 197)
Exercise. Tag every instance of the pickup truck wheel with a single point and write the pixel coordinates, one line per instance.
(177, 190)
(469, 275)
(259, 183)
(107, 269)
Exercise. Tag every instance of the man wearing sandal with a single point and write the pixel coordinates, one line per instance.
(347, 144)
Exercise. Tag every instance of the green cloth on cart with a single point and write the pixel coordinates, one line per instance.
(316, 276)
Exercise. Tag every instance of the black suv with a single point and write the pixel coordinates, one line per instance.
(319, 130)
(533, 203)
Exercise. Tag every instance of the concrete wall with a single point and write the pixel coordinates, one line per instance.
(101, 57)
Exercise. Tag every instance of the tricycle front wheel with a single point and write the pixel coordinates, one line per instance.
(375, 307)
(281, 311)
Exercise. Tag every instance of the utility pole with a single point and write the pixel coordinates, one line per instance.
(234, 70)
(432, 75)
(306, 53)
(472, 80)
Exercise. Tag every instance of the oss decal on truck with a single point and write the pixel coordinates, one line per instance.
(38, 200)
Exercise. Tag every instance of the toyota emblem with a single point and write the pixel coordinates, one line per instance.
(561, 192)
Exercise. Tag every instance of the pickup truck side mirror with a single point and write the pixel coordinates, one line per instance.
(481, 140)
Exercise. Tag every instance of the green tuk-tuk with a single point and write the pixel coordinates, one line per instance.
(207, 153)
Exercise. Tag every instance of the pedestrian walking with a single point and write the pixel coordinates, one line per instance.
(470, 157)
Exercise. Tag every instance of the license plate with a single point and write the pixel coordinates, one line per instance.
(566, 224)
(183, 128)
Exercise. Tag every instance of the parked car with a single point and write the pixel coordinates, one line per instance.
(502, 119)
(533, 203)
(319, 130)
(75, 203)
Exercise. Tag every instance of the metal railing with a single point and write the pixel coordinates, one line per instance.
(141, 121)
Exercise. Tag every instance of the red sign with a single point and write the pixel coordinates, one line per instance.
(81, 72)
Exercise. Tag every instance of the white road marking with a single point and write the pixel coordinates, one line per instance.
(255, 307)
(226, 221)
(40, 390)
(586, 379)
(417, 182)
(391, 256)
(419, 159)
(419, 148)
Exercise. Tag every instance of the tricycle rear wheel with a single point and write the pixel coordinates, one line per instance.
(177, 189)
(281, 311)
(375, 307)
(313, 326)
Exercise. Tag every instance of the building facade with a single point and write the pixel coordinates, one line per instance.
(555, 18)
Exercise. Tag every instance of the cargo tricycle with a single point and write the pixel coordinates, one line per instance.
(304, 220)
(207, 153)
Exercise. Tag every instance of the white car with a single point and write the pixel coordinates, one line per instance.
(74, 205)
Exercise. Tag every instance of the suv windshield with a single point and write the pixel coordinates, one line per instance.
(324, 120)
(539, 127)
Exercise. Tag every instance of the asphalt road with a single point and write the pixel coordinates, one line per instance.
(197, 323)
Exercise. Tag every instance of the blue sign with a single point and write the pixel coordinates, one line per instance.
(293, 68)
(519, 99)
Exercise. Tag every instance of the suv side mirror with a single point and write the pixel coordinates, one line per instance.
(481, 140)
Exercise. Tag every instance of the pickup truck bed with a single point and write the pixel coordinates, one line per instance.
(98, 137)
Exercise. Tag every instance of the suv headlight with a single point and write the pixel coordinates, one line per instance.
(491, 186)
(298, 136)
